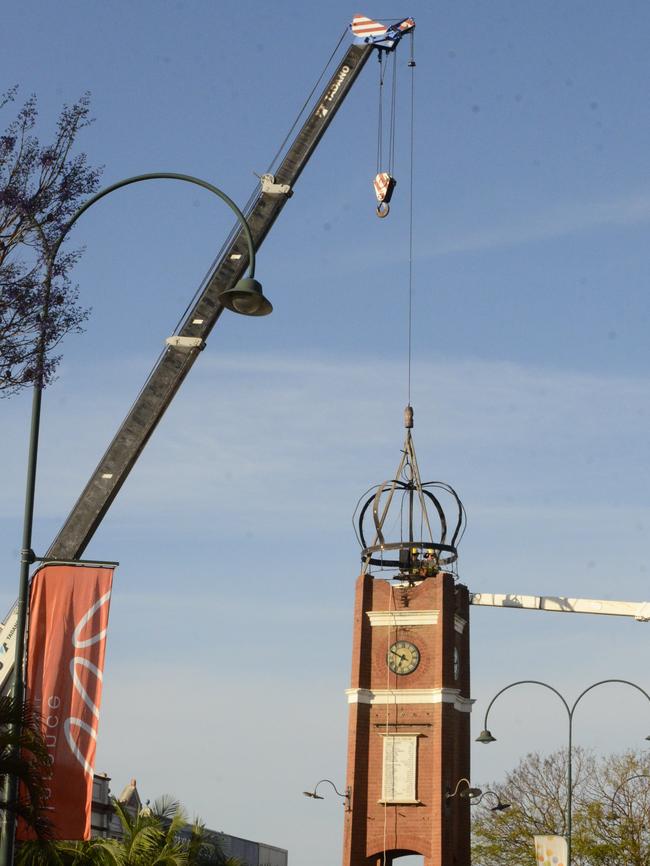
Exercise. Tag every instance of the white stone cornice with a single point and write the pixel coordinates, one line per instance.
(398, 618)
(410, 696)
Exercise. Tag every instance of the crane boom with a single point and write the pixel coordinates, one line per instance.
(180, 354)
(8, 628)
(640, 610)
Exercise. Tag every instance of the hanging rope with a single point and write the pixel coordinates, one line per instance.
(392, 626)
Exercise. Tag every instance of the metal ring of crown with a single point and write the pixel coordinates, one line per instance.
(367, 552)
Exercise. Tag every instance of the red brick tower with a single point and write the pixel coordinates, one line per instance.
(409, 735)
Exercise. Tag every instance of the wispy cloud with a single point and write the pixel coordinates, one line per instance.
(561, 220)
(281, 432)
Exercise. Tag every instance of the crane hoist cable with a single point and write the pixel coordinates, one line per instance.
(411, 163)
(384, 182)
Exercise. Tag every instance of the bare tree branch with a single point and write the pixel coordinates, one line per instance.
(611, 811)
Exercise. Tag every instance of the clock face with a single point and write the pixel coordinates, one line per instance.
(456, 663)
(403, 657)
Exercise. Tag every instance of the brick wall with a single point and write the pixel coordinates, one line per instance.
(435, 827)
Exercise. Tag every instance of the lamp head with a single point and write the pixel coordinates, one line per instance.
(500, 807)
(486, 737)
(471, 793)
(313, 795)
(648, 737)
(246, 298)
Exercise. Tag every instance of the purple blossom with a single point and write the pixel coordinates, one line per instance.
(41, 186)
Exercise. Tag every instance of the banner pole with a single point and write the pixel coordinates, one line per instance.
(26, 559)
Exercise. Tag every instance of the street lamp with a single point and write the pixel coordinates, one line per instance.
(486, 736)
(475, 795)
(467, 792)
(345, 797)
(500, 804)
(246, 298)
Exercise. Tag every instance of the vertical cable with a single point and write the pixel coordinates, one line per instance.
(380, 124)
(393, 112)
(391, 626)
(410, 301)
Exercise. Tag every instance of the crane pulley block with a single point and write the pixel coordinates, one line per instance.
(382, 36)
(384, 184)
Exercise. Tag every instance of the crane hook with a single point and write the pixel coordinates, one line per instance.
(384, 184)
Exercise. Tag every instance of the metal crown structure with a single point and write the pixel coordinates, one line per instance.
(424, 542)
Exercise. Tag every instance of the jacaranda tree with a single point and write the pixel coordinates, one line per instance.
(41, 186)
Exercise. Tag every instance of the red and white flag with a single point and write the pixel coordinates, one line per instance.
(68, 621)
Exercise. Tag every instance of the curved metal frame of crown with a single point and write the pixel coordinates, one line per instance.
(441, 546)
(424, 558)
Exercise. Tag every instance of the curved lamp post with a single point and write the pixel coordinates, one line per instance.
(345, 797)
(486, 737)
(620, 787)
(246, 298)
(468, 792)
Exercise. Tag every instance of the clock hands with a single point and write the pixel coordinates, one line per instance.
(405, 657)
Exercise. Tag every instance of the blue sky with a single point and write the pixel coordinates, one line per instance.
(229, 648)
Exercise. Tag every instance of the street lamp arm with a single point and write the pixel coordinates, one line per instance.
(624, 782)
(500, 805)
(163, 175)
(521, 683)
(468, 792)
(602, 683)
(333, 785)
(346, 797)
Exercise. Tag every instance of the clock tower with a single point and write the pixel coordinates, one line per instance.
(409, 703)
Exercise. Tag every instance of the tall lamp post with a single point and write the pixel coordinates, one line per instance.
(486, 737)
(245, 297)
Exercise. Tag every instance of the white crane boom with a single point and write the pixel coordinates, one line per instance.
(639, 610)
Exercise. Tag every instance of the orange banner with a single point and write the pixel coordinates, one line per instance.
(68, 620)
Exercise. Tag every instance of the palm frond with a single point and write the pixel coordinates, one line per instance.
(165, 807)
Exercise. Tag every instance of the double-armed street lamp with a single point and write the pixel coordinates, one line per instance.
(486, 737)
(246, 297)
